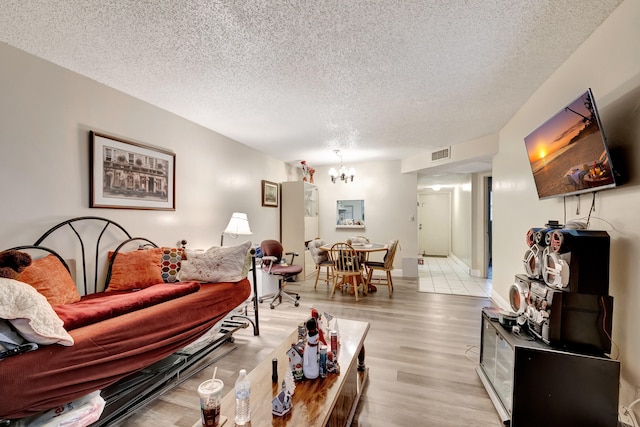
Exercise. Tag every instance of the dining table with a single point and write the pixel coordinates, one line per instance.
(362, 248)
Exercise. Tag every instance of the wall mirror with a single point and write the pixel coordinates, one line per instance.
(350, 214)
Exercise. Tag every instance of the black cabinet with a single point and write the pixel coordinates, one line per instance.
(532, 384)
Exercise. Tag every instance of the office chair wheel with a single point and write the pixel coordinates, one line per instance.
(260, 300)
(297, 297)
(296, 303)
(271, 306)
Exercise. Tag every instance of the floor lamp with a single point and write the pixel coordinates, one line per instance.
(239, 225)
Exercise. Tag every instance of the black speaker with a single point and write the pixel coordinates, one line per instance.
(580, 322)
(577, 261)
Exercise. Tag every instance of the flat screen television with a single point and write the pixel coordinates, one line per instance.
(568, 153)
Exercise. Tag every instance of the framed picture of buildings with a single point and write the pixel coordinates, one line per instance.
(129, 175)
(269, 194)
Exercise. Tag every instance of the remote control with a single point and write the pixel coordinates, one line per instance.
(22, 348)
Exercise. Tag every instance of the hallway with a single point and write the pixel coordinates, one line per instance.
(445, 275)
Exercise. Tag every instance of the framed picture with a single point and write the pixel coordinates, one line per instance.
(269, 194)
(129, 175)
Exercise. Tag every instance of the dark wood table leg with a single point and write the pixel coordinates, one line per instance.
(361, 366)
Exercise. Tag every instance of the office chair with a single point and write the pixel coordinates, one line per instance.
(272, 255)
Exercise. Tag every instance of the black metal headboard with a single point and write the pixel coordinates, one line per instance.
(90, 234)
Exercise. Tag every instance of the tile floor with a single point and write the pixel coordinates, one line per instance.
(447, 276)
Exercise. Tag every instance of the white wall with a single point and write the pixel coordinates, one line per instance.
(609, 63)
(390, 205)
(476, 150)
(46, 113)
(479, 227)
(461, 208)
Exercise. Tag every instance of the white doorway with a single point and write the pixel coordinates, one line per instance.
(434, 215)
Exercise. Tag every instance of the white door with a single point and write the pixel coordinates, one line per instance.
(435, 223)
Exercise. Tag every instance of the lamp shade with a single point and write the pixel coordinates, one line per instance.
(238, 224)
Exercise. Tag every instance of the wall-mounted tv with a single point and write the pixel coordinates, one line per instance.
(568, 153)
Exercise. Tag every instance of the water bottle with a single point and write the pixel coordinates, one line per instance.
(243, 392)
(323, 361)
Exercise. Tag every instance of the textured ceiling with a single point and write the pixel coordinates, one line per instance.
(376, 79)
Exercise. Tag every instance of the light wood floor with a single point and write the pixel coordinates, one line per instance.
(421, 350)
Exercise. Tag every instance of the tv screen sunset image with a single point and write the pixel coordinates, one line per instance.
(567, 153)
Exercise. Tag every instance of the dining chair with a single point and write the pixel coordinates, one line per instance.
(321, 259)
(347, 272)
(385, 265)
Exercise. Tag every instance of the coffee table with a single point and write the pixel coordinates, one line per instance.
(320, 402)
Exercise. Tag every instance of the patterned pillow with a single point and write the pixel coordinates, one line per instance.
(170, 264)
(51, 279)
(216, 264)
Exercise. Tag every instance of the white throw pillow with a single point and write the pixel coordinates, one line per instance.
(216, 264)
(31, 314)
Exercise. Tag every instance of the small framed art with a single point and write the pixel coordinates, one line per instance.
(129, 175)
(269, 194)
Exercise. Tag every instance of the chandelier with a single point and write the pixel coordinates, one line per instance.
(343, 174)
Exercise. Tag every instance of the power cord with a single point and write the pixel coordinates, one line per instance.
(612, 228)
(604, 329)
(593, 207)
(468, 349)
(628, 412)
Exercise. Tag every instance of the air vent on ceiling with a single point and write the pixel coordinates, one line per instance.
(445, 153)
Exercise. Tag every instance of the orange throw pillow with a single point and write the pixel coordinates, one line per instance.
(136, 270)
(51, 279)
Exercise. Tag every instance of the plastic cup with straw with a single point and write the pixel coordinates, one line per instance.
(210, 392)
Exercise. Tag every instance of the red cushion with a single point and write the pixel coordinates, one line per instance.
(105, 305)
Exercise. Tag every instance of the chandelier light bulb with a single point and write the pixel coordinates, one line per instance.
(343, 173)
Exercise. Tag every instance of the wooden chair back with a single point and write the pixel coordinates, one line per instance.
(347, 270)
(390, 255)
(346, 261)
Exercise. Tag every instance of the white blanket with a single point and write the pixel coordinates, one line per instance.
(31, 314)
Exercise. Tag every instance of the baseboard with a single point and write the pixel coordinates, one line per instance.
(459, 261)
